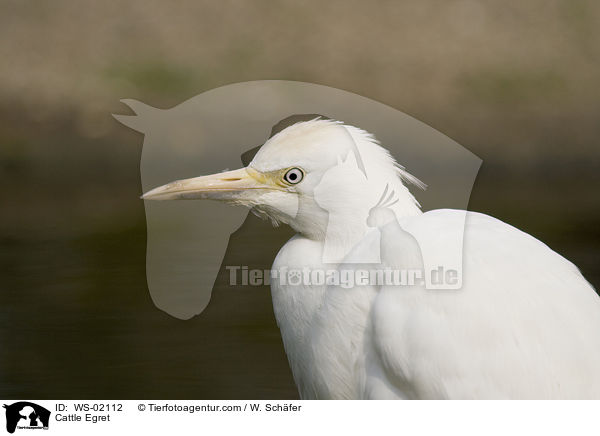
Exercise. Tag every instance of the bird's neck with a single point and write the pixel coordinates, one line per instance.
(341, 231)
(344, 233)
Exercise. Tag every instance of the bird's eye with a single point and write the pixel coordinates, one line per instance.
(293, 176)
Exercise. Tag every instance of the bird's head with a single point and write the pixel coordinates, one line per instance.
(302, 175)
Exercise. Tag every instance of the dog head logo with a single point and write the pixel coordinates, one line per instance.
(26, 415)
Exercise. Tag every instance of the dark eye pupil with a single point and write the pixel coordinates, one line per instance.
(293, 176)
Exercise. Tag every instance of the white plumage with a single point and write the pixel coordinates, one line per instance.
(525, 324)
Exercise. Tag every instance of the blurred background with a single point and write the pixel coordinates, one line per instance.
(517, 84)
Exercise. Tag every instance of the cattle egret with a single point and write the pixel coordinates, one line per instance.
(525, 323)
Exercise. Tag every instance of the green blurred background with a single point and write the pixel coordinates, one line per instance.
(517, 83)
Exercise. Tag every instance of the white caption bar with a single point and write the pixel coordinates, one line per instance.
(301, 417)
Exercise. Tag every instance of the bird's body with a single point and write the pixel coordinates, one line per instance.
(524, 324)
(528, 330)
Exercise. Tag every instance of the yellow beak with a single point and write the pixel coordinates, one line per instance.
(230, 185)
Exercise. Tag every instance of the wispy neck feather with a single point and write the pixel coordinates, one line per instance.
(383, 169)
(349, 192)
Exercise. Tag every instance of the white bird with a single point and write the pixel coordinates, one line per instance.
(524, 325)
